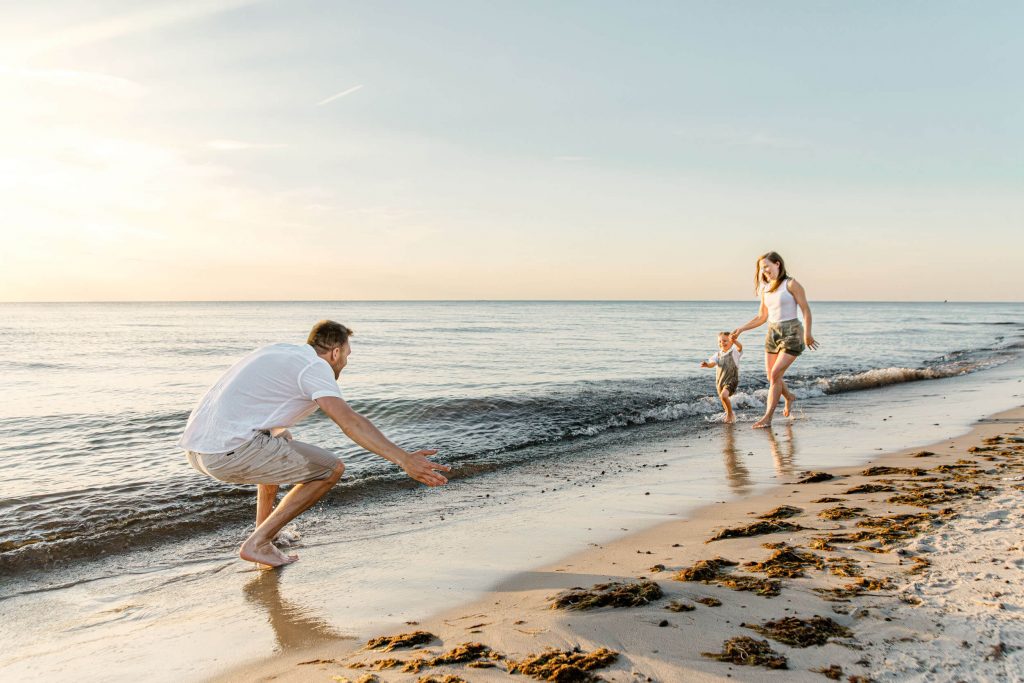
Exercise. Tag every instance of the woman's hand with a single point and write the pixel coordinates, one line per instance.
(735, 334)
(810, 342)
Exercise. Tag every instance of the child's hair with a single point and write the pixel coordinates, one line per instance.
(759, 280)
(725, 334)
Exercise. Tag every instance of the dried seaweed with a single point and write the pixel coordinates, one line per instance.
(710, 602)
(389, 643)
(829, 499)
(679, 606)
(564, 666)
(933, 495)
(870, 488)
(747, 651)
(879, 470)
(845, 566)
(920, 564)
(704, 570)
(767, 588)
(840, 512)
(434, 678)
(815, 477)
(756, 529)
(787, 563)
(801, 632)
(834, 672)
(923, 454)
(820, 543)
(781, 512)
(892, 529)
(614, 594)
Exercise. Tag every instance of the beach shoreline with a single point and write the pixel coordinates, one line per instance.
(890, 636)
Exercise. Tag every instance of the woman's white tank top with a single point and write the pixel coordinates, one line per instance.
(781, 304)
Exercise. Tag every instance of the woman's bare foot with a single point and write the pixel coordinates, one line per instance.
(266, 554)
(790, 400)
(730, 418)
(763, 423)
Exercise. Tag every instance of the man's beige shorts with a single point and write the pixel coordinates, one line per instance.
(267, 460)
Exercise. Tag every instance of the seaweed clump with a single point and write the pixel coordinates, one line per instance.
(389, 643)
(767, 588)
(834, 672)
(747, 651)
(781, 512)
(614, 594)
(710, 602)
(840, 512)
(755, 529)
(879, 470)
(679, 606)
(434, 678)
(815, 477)
(564, 666)
(870, 488)
(829, 499)
(786, 562)
(704, 570)
(933, 495)
(801, 632)
(844, 566)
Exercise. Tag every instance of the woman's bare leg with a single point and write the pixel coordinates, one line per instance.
(779, 363)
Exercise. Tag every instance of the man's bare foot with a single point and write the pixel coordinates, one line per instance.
(790, 402)
(266, 554)
(730, 418)
(763, 423)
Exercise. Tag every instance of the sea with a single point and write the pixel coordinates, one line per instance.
(512, 394)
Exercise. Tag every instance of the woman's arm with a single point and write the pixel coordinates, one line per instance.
(797, 290)
(756, 321)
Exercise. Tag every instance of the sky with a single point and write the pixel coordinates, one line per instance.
(333, 150)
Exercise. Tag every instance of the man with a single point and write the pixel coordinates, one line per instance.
(238, 432)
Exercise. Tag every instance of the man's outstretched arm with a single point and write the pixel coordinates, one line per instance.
(364, 433)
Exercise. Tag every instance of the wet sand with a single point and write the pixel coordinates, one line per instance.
(921, 575)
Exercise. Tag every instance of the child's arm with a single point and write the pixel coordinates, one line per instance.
(736, 343)
(707, 364)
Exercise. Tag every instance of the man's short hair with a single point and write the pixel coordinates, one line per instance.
(327, 335)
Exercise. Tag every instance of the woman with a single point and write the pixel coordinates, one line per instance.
(781, 295)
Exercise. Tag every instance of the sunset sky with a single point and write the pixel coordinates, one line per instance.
(315, 149)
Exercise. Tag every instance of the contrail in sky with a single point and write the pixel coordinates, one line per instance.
(341, 94)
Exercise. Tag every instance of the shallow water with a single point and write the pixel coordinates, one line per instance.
(561, 454)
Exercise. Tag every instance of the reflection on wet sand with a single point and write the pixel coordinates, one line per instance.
(736, 472)
(784, 452)
(293, 627)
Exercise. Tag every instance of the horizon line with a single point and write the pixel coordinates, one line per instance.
(639, 301)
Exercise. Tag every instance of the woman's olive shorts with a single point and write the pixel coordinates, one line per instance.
(785, 337)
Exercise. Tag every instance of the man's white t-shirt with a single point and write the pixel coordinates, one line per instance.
(272, 388)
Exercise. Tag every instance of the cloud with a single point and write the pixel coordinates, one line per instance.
(238, 145)
(339, 95)
(89, 80)
(572, 158)
(150, 17)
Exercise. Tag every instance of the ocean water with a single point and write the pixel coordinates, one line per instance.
(94, 396)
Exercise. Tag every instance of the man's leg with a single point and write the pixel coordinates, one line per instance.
(266, 496)
(258, 547)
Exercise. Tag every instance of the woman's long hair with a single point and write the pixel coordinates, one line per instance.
(759, 280)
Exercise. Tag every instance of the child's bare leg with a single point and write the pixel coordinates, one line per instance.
(727, 404)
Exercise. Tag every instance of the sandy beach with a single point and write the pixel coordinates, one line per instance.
(918, 576)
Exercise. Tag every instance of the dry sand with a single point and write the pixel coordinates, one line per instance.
(944, 598)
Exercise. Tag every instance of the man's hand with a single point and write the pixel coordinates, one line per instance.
(735, 334)
(424, 471)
